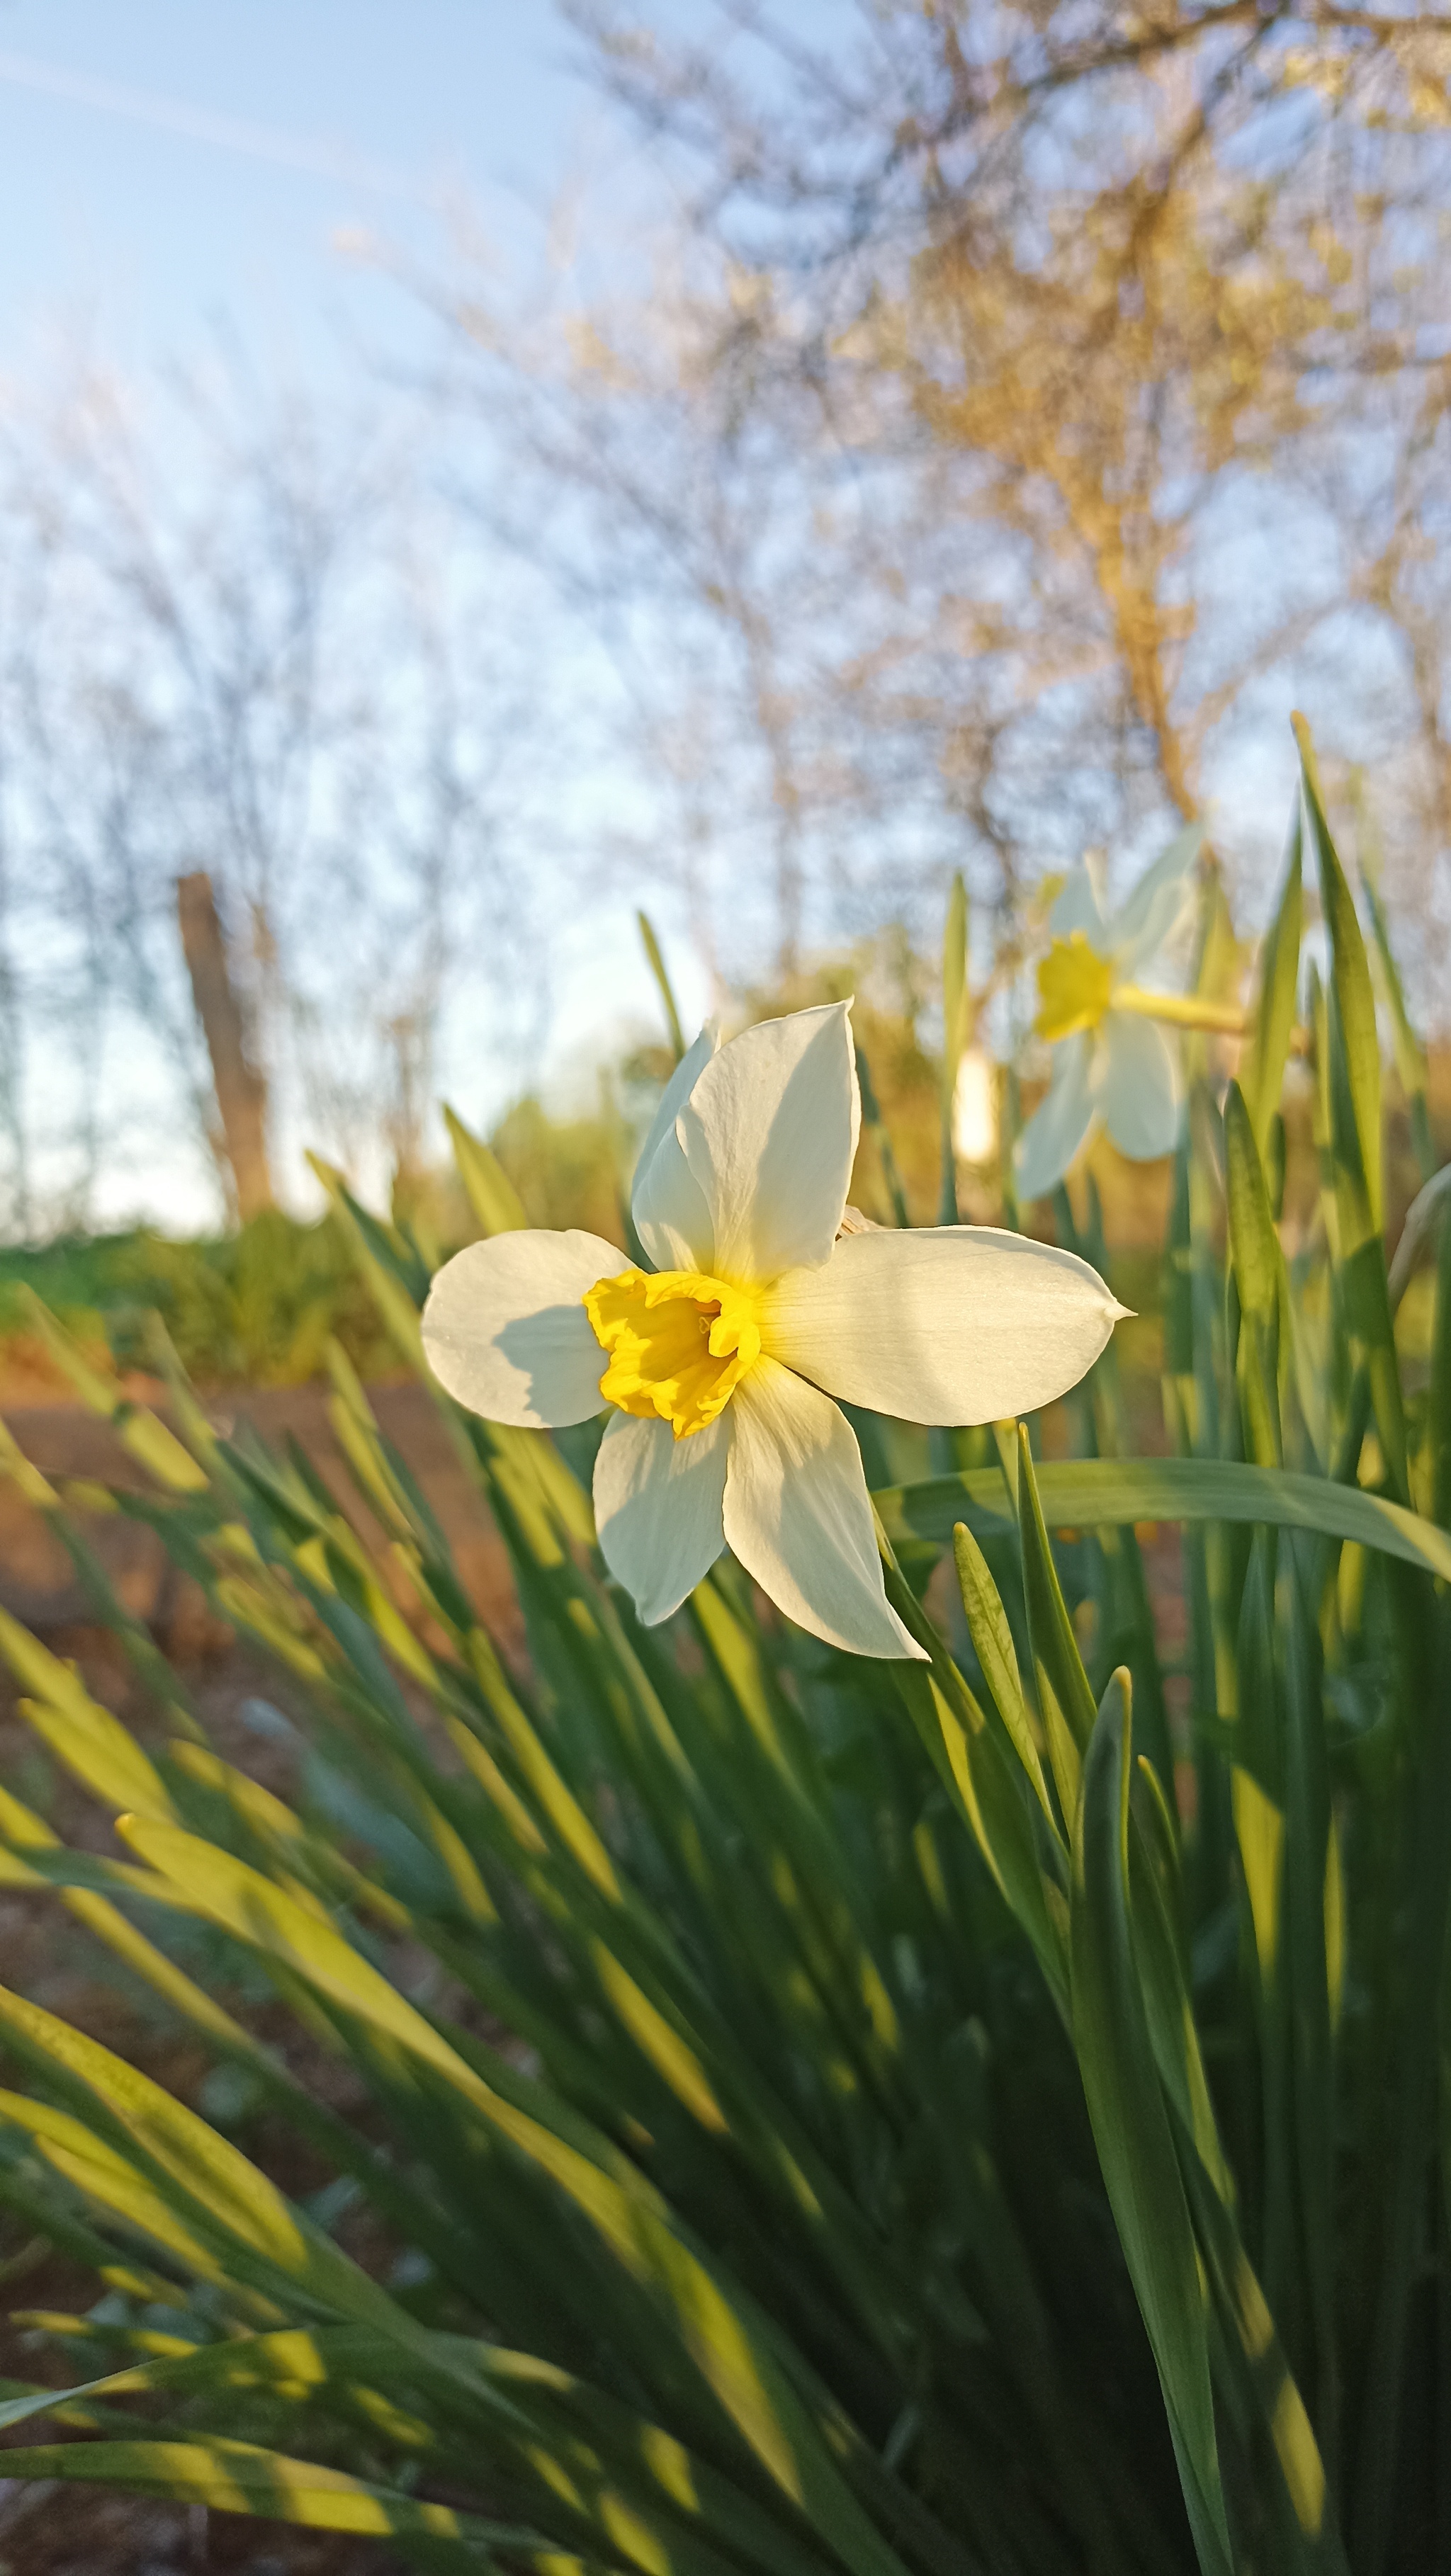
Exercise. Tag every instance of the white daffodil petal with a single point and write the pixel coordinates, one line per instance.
(1061, 1122)
(1139, 1092)
(958, 1323)
(798, 1516)
(770, 1133)
(675, 1095)
(658, 1508)
(666, 1202)
(1151, 913)
(1076, 907)
(505, 1330)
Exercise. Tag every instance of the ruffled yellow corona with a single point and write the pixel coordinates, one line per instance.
(679, 1344)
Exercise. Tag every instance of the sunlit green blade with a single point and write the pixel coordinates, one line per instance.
(876, 1128)
(1262, 1071)
(993, 1644)
(222, 2032)
(1130, 2126)
(1302, 2516)
(102, 1753)
(1123, 1622)
(1262, 1356)
(977, 1775)
(1312, 2070)
(179, 2163)
(956, 1031)
(141, 1433)
(1256, 1745)
(1086, 1493)
(1410, 1052)
(1351, 984)
(1437, 1481)
(116, 2187)
(236, 2477)
(1160, 1947)
(104, 1603)
(657, 967)
(1065, 1699)
(535, 1476)
(487, 1186)
(1251, 2353)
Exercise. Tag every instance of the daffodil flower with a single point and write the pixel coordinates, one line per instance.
(1112, 1064)
(770, 1298)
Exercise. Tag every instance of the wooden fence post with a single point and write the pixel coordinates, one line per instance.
(241, 1090)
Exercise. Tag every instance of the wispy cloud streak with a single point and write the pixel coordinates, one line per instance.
(314, 157)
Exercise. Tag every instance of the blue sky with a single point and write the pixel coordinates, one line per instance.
(166, 164)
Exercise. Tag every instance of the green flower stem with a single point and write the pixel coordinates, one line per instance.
(1183, 1010)
(1193, 1011)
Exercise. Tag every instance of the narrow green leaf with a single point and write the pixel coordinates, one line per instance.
(397, 1291)
(1087, 1493)
(1438, 1411)
(976, 1772)
(94, 1746)
(141, 1433)
(992, 1640)
(1130, 2126)
(956, 1030)
(876, 1128)
(1410, 1053)
(487, 1186)
(1262, 1072)
(1258, 1792)
(526, 1472)
(1308, 2534)
(118, 2187)
(1307, 1844)
(1160, 1952)
(658, 970)
(199, 2178)
(1254, 1245)
(1065, 1699)
(238, 2477)
(1251, 2346)
(1350, 976)
(159, 1677)
(1258, 1266)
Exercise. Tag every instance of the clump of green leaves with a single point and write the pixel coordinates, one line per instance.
(980, 2115)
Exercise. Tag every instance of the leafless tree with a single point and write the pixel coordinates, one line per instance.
(241, 638)
(1014, 409)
